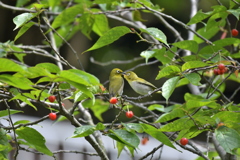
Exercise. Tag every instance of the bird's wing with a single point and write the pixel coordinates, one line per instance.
(147, 83)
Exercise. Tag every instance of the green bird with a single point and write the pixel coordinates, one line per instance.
(139, 85)
(116, 82)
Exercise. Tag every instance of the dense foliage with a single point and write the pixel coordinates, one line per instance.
(203, 62)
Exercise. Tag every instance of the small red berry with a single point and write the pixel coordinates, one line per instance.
(184, 141)
(51, 98)
(129, 114)
(234, 32)
(113, 100)
(221, 71)
(52, 116)
(221, 66)
(144, 140)
(215, 71)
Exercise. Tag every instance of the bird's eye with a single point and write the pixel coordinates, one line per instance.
(118, 71)
(128, 74)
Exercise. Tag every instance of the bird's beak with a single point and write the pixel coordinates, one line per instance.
(123, 73)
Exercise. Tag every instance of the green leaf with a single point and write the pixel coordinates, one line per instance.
(22, 83)
(156, 33)
(68, 15)
(126, 137)
(178, 112)
(165, 56)
(188, 45)
(228, 138)
(137, 16)
(218, 45)
(34, 139)
(155, 133)
(100, 25)
(189, 133)
(193, 64)
(83, 131)
(9, 66)
(197, 103)
(133, 127)
(120, 147)
(52, 68)
(169, 86)
(100, 126)
(147, 55)
(168, 71)
(23, 18)
(21, 122)
(4, 145)
(177, 125)
(157, 107)
(5, 112)
(80, 77)
(23, 29)
(23, 98)
(109, 37)
(193, 78)
(98, 108)
(86, 22)
(198, 17)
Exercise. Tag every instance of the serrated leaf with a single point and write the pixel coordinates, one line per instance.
(126, 137)
(86, 22)
(4, 145)
(169, 86)
(155, 133)
(147, 55)
(23, 18)
(193, 78)
(228, 138)
(83, 131)
(156, 33)
(34, 138)
(23, 99)
(109, 37)
(168, 71)
(190, 45)
(9, 66)
(193, 64)
(189, 133)
(177, 125)
(6, 112)
(23, 29)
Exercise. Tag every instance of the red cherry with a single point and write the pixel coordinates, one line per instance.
(184, 141)
(113, 100)
(234, 32)
(51, 98)
(129, 114)
(215, 71)
(144, 140)
(221, 71)
(52, 116)
(221, 66)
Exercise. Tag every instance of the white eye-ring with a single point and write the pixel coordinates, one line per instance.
(118, 71)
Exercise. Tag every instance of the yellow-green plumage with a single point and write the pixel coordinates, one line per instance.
(139, 85)
(116, 83)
